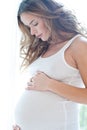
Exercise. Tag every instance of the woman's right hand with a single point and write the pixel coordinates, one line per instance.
(16, 127)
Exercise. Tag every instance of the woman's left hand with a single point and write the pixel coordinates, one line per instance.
(39, 82)
(16, 127)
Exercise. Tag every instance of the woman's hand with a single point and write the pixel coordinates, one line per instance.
(39, 82)
(16, 127)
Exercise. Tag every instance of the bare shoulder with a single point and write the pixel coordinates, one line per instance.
(79, 52)
(79, 47)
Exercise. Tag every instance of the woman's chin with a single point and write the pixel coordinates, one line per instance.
(44, 39)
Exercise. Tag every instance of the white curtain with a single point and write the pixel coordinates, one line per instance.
(8, 60)
(9, 54)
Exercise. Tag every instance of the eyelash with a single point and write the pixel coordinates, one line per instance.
(35, 24)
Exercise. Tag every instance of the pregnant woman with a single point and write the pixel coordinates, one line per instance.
(54, 48)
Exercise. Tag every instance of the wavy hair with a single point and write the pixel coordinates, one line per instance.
(62, 23)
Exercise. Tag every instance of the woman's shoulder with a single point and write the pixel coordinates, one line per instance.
(79, 44)
(79, 48)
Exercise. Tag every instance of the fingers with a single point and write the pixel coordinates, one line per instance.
(30, 85)
(34, 76)
(32, 82)
(32, 79)
(16, 127)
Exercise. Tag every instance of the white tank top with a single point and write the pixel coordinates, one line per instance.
(38, 110)
(56, 67)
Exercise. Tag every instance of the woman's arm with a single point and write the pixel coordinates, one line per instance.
(67, 91)
(79, 51)
(73, 93)
(70, 92)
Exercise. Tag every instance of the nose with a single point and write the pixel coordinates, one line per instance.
(33, 31)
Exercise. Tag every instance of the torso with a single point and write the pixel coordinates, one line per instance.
(38, 110)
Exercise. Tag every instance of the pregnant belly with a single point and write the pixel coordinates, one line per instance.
(35, 109)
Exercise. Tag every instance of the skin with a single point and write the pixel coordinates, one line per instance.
(16, 127)
(36, 25)
(75, 55)
(75, 58)
(38, 28)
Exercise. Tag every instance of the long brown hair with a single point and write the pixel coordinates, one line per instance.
(61, 22)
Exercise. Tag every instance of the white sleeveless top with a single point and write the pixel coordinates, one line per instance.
(38, 110)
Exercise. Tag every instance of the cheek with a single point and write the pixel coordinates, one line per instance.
(45, 29)
(47, 32)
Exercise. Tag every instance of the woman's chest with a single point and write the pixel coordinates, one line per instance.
(54, 66)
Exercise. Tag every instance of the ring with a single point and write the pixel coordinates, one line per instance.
(31, 80)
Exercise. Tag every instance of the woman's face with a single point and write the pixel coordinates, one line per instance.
(37, 26)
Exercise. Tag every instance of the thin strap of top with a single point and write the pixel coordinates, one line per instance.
(70, 41)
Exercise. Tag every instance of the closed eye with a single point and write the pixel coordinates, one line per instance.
(35, 24)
